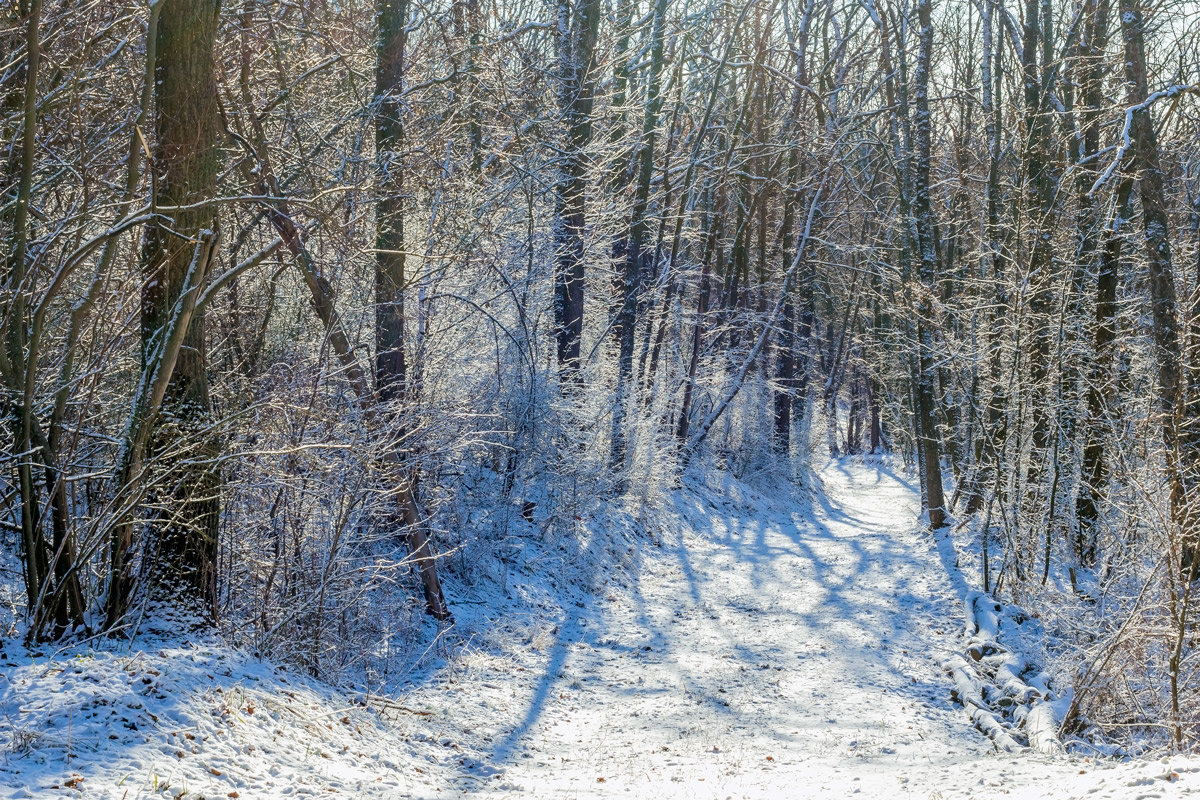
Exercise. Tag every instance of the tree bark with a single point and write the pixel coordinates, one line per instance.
(187, 162)
(638, 253)
(1040, 190)
(1180, 436)
(1094, 468)
(1089, 259)
(577, 44)
(390, 284)
(928, 435)
(391, 371)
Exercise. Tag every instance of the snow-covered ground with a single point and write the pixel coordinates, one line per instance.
(760, 647)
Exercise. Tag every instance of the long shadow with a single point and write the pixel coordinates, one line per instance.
(751, 542)
(757, 542)
(568, 634)
(842, 582)
(578, 626)
(837, 547)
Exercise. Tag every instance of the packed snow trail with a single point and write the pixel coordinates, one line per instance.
(762, 652)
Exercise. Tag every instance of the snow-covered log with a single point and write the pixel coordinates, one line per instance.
(1005, 693)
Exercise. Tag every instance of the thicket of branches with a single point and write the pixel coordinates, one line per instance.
(289, 288)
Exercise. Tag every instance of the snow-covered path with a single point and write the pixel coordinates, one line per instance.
(761, 654)
(766, 648)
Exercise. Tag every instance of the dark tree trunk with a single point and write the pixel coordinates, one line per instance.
(928, 435)
(1089, 259)
(45, 596)
(390, 280)
(638, 252)
(1040, 188)
(876, 418)
(187, 162)
(703, 295)
(391, 369)
(1094, 469)
(576, 99)
(1179, 437)
(785, 394)
(786, 376)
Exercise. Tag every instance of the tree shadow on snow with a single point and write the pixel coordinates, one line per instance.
(829, 584)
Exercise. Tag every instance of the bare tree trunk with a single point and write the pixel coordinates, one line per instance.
(1094, 469)
(17, 286)
(187, 162)
(704, 293)
(390, 284)
(992, 434)
(576, 43)
(639, 252)
(1089, 258)
(785, 374)
(391, 370)
(786, 370)
(1180, 435)
(1040, 189)
(876, 420)
(929, 438)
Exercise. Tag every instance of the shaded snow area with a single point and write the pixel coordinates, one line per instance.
(748, 646)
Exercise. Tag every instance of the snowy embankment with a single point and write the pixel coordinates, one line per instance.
(750, 646)
(191, 721)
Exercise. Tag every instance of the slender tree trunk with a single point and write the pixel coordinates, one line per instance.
(785, 374)
(14, 308)
(991, 439)
(391, 369)
(929, 437)
(876, 418)
(390, 284)
(639, 251)
(577, 44)
(1040, 188)
(1089, 259)
(1094, 469)
(785, 399)
(703, 296)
